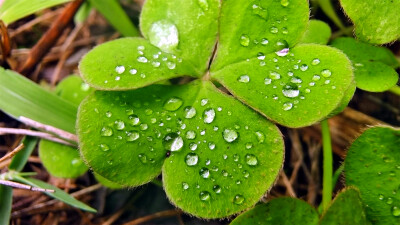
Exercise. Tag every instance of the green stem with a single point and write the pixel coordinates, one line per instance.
(395, 90)
(329, 10)
(328, 164)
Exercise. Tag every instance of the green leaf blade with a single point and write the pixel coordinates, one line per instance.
(372, 165)
(318, 32)
(21, 158)
(295, 90)
(6, 204)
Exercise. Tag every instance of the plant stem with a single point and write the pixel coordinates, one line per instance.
(395, 90)
(328, 164)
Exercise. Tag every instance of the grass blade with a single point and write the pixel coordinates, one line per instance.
(5, 204)
(20, 159)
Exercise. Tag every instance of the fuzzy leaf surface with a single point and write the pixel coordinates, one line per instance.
(294, 90)
(376, 21)
(258, 26)
(217, 156)
(283, 211)
(318, 32)
(73, 89)
(372, 165)
(374, 66)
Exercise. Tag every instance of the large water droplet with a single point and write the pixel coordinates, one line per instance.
(142, 59)
(204, 173)
(211, 145)
(274, 75)
(281, 44)
(260, 136)
(120, 69)
(204, 196)
(172, 142)
(244, 79)
(164, 35)
(230, 135)
(217, 189)
(106, 131)
(251, 160)
(190, 112)
(191, 159)
(171, 65)
(326, 73)
(260, 11)
(244, 40)
(209, 115)
(290, 91)
(284, 3)
(238, 199)
(190, 135)
(274, 30)
(296, 80)
(173, 104)
(185, 186)
(282, 52)
(203, 4)
(134, 120)
(396, 211)
(304, 67)
(108, 114)
(132, 136)
(315, 62)
(119, 124)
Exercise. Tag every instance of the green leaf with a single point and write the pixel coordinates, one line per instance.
(187, 29)
(372, 165)
(345, 209)
(61, 160)
(329, 10)
(107, 183)
(251, 27)
(113, 12)
(212, 149)
(58, 193)
(6, 204)
(282, 211)
(374, 66)
(294, 90)
(376, 21)
(318, 32)
(83, 13)
(21, 97)
(21, 158)
(73, 89)
(130, 63)
(13, 10)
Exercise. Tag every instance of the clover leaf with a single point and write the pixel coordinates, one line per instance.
(216, 155)
(318, 32)
(376, 21)
(372, 165)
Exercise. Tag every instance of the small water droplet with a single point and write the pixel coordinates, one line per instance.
(251, 160)
(134, 120)
(316, 77)
(190, 135)
(238, 199)
(284, 3)
(296, 80)
(389, 201)
(142, 59)
(274, 75)
(132, 136)
(142, 158)
(193, 146)
(315, 62)
(326, 73)
(173, 104)
(290, 91)
(205, 196)
(190, 112)
(243, 79)
(108, 114)
(396, 211)
(261, 12)
(106, 131)
(304, 67)
(230, 135)
(120, 69)
(224, 173)
(204, 173)
(235, 157)
(267, 81)
(217, 189)
(260, 136)
(164, 35)
(185, 186)
(148, 112)
(172, 142)
(104, 147)
(246, 174)
(119, 124)
(203, 102)
(287, 106)
(144, 126)
(211, 145)
(171, 65)
(274, 30)
(249, 145)
(264, 41)
(381, 197)
(191, 159)
(244, 40)
(156, 64)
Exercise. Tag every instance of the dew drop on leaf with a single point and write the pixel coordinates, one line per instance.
(304, 67)
(315, 62)
(142, 158)
(191, 159)
(316, 77)
(249, 145)
(190, 134)
(190, 112)
(282, 52)
(281, 44)
(106, 131)
(144, 126)
(264, 41)
(238, 199)
(230, 135)
(211, 145)
(193, 146)
(260, 136)
(171, 65)
(132, 136)
(267, 81)
(120, 69)
(284, 3)
(381, 197)
(396, 211)
(205, 196)
(244, 40)
(142, 59)
(203, 102)
(133, 71)
(172, 142)
(274, 75)
(108, 114)
(185, 186)
(134, 120)
(217, 189)
(290, 91)
(119, 124)
(244, 79)
(164, 35)
(274, 30)
(173, 104)
(389, 201)
(204, 173)
(326, 73)
(260, 11)
(251, 160)
(104, 147)
(209, 115)
(296, 80)
(287, 106)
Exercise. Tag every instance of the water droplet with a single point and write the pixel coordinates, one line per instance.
(396, 211)
(148, 112)
(244, 40)
(108, 114)
(267, 81)
(261, 12)
(290, 91)
(132, 136)
(249, 145)
(203, 4)
(389, 201)
(190, 135)
(211, 145)
(144, 126)
(264, 41)
(303, 67)
(142, 59)
(246, 174)
(190, 112)
(238, 199)
(296, 80)
(274, 30)
(287, 106)
(285, 30)
(217, 189)
(238, 182)
(381, 197)
(274, 75)
(120, 69)
(224, 173)
(209, 115)
(119, 124)
(142, 158)
(282, 52)
(171, 65)
(185, 186)
(204, 172)
(316, 77)
(156, 64)
(164, 35)
(193, 146)
(260, 136)
(235, 157)
(106, 131)
(134, 120)
(172, 142)
(205, 196)
(173, 104)
(281, 44)
(104, 147)
(203, 102)
(191, 159)
(326, 73)
(251, 160)
(315, 62)
(230, 135)
(284, 3)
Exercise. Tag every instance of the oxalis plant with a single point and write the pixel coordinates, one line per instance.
(218, 151)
